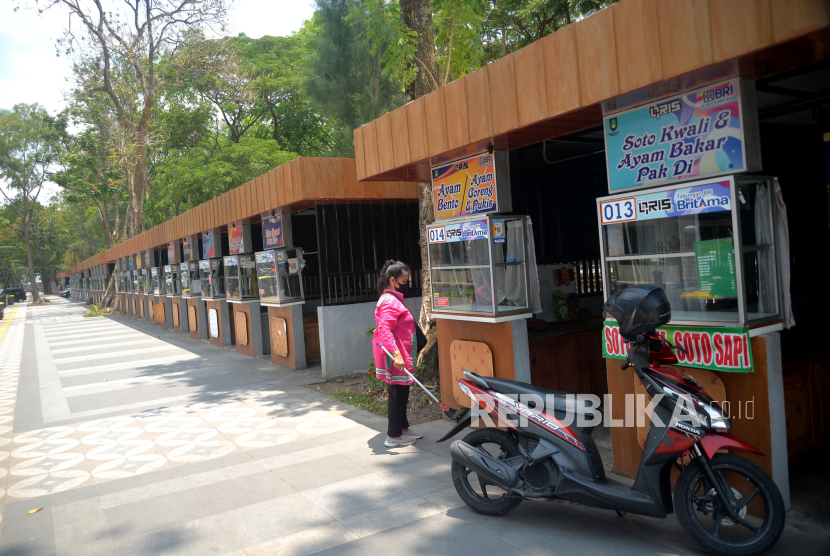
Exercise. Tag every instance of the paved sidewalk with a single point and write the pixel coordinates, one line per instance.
(136, 440)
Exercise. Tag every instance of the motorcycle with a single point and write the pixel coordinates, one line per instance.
(727, 503)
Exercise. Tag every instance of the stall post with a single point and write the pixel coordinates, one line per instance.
(191, 288)
(279, 272)
(172, 279)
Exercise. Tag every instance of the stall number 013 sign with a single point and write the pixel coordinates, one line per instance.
(716, 348)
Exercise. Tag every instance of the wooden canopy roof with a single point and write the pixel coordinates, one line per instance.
(557, 85)
(292, 186)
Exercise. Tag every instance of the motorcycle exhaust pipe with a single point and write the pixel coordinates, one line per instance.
(484, 464)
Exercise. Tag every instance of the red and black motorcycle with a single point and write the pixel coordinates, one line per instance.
(727, 503)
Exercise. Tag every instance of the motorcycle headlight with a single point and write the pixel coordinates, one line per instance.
(716, 418)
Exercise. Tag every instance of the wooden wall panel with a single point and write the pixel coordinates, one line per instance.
(504, 111)
(314, 178)
(370, 148)
(416, 121)
(359, 155)
(298, 187)
(386, 150)
(597, 53)
(530, 83)
(353, 189)
(400, 137)
(331, 178)
(436, 121)
(480, 125)
(562, 71)
(455, 109)
(792, 19)
(266, 191)
(638, 43)
(739, 26)
(685, 35)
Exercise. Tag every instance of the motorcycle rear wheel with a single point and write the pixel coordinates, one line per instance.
(699, 508)
(499, 444)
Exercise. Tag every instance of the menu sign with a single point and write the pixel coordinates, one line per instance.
(696, 134)
(465, 187)
(715, 260)
(235, 237)
(713, 348)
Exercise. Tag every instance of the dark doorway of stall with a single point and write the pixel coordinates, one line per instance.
(557, 183)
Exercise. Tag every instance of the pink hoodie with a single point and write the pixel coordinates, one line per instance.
(396, 331)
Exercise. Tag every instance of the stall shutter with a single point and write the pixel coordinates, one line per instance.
(241, 321)
(158, 313)
(471, 356)
(279, 337)
(191, 318)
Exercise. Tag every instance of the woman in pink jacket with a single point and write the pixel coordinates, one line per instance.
(396, 331)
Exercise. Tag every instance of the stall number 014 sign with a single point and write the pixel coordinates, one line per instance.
(716, 348)
(465, 187)
(464, 231)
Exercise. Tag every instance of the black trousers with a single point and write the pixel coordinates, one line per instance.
(398, 398)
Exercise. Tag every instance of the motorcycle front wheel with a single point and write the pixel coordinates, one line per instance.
(749, 490)
(477, 492)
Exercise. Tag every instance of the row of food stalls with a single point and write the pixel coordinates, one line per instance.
(654, 142)
(270, 268)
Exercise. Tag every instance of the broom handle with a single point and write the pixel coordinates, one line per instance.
(410, 375)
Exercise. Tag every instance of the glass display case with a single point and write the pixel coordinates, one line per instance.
(171, 279)
(478, 266)
(684, 239)
(279, 272)
(191, 282)
(213, 270)
(144, 280)
(159, 287)
(240, 277)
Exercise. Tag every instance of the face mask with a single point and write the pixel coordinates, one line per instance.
(403, 288)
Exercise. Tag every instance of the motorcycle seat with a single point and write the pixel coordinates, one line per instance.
(562, 401)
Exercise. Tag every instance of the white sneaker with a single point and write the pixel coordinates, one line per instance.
(404, 441)
(413, 434)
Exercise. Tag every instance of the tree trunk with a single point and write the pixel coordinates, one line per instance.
(35, 293)
(110, 298)
(417, 15)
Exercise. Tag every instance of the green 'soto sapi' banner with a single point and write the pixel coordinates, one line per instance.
(713, 348)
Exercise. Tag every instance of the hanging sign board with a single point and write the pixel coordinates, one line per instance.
(708, 132)
(700, 197)
(210, 248)
(272, 235)
(239, 238)
(465, 187)
(172, 253)
(715, 348)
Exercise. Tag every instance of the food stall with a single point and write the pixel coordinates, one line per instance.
(279, 273)
(212, 271)
(172, 279)
(193, 306)
(242, 289)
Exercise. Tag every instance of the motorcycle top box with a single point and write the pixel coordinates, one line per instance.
(544, 449)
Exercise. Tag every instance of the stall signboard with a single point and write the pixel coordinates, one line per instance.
(465, 187)
(187, 249)
(272, 231)
(462, 231)
(235, 237)
(171, 253)
(701, 197)
(209, 245)
(706, 132)
(715, 348)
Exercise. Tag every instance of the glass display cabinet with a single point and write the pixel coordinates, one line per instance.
(191, 282)
(279, 272)
(213, 270)
(119, 282)
(684, 239)
(159, 287)
(478, 266)
(171, 279)
(144, 280)
(240, 277)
